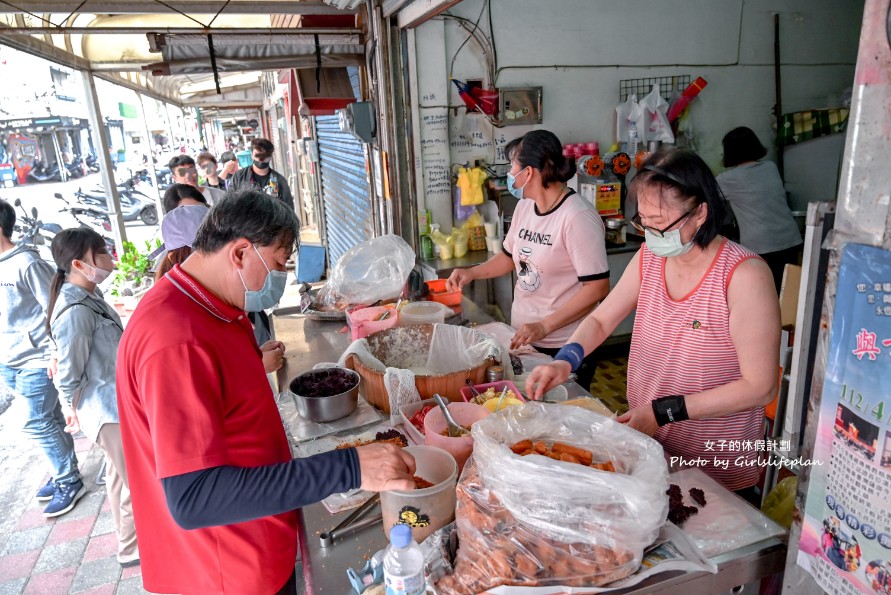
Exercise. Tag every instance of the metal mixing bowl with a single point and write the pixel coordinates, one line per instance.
(324, 408)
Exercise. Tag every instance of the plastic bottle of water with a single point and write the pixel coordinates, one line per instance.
(631, 144)
(403, 564)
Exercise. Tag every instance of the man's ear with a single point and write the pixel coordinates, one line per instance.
(237, 251)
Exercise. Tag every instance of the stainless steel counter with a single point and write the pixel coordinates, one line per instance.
(324, 569)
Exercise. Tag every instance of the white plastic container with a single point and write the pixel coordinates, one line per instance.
(491, 229)
(494, 245)
(403, 564)
(422, 313)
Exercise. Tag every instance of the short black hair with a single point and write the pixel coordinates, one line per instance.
(263, 145)
(180, 160)
(227, 156)
(7, 218)
(684, 174)
(742, 145)
(250, 214)
(542, 150)
(206, 156)
(177, 192)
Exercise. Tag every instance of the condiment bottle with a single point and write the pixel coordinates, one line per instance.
(494, 374)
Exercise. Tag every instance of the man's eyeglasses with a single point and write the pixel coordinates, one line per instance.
(635, 222)
(186, 171)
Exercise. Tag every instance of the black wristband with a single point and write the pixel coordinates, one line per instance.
(670, 409)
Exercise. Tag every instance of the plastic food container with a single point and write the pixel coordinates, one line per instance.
(493, 406)
(407, 412)
(467, 394)
(365, 321)
(439, 294)
(466, 414)
(422, 313)
(493, 245)
(428, 509)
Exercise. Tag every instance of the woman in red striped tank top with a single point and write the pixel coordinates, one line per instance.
(703, 356)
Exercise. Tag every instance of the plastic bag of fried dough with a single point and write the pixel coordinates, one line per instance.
(527, 518)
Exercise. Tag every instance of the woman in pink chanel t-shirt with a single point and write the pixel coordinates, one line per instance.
(556, 246)
(703, 358)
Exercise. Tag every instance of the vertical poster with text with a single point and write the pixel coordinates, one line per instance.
(846, 532)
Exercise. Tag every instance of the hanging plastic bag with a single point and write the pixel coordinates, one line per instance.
(470, 181)
(629, 124)
(535, 521)
(780, 502)
(371, 271)
(655, 111)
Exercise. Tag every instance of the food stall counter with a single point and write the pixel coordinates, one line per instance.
(310, 342)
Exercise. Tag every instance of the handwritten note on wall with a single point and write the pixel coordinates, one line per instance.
(435, 157)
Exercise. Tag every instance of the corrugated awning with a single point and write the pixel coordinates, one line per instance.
(149, 47)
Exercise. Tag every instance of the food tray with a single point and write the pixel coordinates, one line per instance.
(467, 395)
(407, 411)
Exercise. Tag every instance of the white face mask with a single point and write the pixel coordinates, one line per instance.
(668, 245)
(95, 274)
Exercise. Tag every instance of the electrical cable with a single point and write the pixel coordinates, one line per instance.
(480, 39)
(216, 15)
(492, 40)
(475, 26)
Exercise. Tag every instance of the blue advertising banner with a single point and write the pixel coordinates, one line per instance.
(846, 533)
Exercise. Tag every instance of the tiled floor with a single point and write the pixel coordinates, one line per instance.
(610, 385)
(73, 553)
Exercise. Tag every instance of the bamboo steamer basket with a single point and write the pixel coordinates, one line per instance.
(382, 345)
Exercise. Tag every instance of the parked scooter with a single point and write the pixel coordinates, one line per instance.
(43, 173)
(134, 204)
(92, 219)
(34, 231)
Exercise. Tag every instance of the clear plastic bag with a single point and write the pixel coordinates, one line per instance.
(371, 271)
(534, 521)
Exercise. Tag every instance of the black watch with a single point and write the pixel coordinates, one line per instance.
(670, 409)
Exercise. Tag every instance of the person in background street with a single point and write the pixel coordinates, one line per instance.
(25, 354)
(86, 332)
(556, 245)
(261, 176)
(184, 171)
(702, 363)
(214, 486)
(755, 191)
(208, 164)
(228, 166)
(179, 195)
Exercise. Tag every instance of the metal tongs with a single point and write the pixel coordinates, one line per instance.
(352, 522)
(476, 394)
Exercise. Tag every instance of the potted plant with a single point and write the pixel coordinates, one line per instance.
(134, 273)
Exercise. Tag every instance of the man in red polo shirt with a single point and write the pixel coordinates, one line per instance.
(213, 484)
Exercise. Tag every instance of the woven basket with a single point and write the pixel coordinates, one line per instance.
(447, 385)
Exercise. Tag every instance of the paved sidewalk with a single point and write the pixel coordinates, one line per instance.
(72, 553)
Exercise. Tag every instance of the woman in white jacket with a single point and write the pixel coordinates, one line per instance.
(86, 332)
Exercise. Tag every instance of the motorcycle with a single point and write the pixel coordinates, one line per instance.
(34, 232)
(43, 173)
(77, 168)
(92, 163)
(92, 219)
(134, 204)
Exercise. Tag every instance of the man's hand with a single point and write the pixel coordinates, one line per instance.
(458, 279)
(72, 424)
(528, 334)
(273, 355)
(544, 378)
(53, 368)
(385, 467)
(641, 419)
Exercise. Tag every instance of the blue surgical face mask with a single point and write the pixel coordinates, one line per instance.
(268, 295)
(669, 244)
(515, 192)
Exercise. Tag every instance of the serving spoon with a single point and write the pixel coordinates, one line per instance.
(454, 429)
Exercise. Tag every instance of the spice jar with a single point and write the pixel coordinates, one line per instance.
(494, 374)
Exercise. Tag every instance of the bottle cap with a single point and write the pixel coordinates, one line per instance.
(400, 535)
